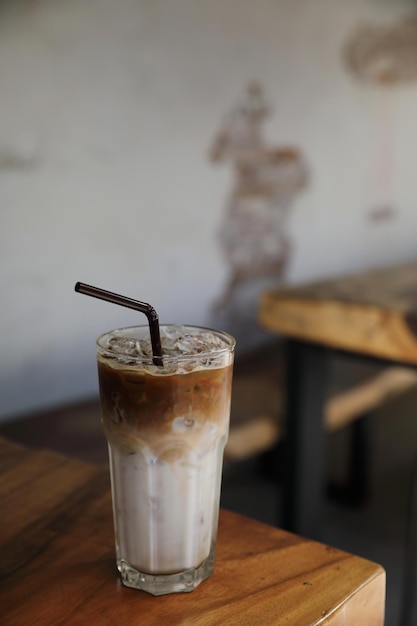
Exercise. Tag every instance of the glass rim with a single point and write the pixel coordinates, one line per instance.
(148, 359)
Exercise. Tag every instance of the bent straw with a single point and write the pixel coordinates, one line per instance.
(143, 307)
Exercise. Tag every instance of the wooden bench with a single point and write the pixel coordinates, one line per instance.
(351, 406)
(249, 437)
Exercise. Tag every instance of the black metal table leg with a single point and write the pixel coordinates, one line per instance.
(303, 479)
(409, 603)
(355, 491)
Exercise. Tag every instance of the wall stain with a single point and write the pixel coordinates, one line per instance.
(266, 179)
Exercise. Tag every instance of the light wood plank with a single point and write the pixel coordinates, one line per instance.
(374, 313)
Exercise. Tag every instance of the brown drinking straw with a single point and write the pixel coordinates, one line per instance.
(143, 307)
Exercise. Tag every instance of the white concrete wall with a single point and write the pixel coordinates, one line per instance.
(107, 112)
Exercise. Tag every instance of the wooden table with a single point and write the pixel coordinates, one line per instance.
(370, 314)
(58, 565)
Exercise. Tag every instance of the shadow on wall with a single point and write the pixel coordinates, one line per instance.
(253, 232)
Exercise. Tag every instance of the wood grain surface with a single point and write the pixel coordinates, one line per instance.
(374, 313)
(57, 562)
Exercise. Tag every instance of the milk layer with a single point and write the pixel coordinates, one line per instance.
(165, 513)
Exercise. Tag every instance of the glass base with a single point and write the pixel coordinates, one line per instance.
(159, 585)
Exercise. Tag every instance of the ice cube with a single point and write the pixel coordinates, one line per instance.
(181, 341)
(124, 346)
(173, 331)
(144, 347)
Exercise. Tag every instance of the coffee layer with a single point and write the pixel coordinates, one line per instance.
(139, 408)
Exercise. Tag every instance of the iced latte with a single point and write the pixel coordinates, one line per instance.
(166, 426)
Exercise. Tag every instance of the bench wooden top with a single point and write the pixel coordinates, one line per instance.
(373, 313)
(57, 561)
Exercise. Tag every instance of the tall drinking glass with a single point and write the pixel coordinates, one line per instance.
(166, 427)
